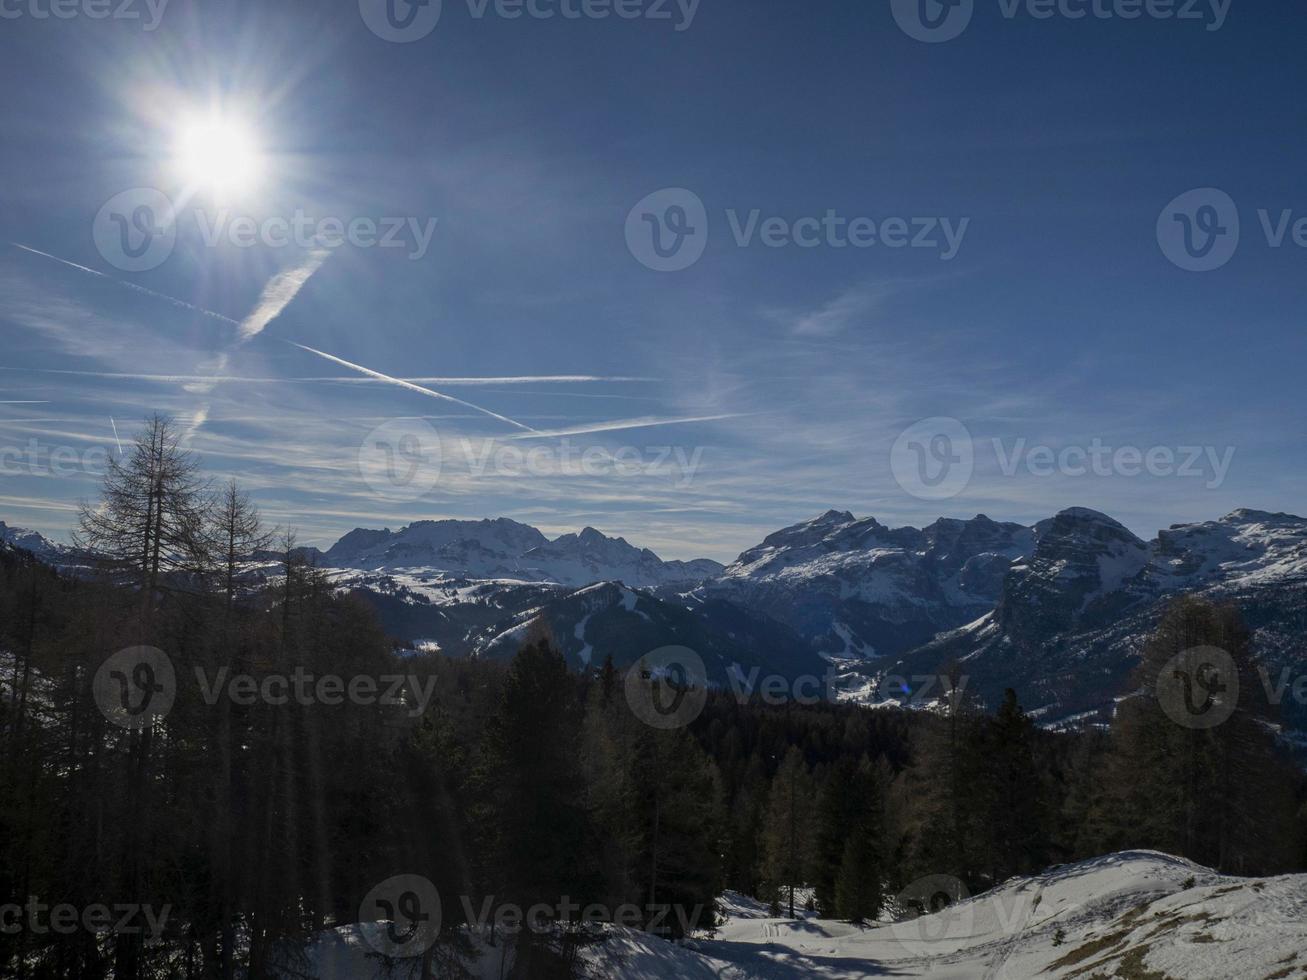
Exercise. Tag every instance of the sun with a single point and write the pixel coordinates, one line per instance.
(218, 154)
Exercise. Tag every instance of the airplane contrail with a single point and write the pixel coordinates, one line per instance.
(278, 293)
(429, 392)
(335, 378)
(621, 424)
(180, 303)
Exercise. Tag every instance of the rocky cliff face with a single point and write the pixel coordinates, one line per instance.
(858, 589)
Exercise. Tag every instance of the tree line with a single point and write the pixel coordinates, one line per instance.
(259, 824)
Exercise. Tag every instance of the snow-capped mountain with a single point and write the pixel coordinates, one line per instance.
(591, 556)
(32, 541)
(1058, 610)
(855, 588)
(506, 549)
(1068, 627)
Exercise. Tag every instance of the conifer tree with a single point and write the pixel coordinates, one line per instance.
(787, 833)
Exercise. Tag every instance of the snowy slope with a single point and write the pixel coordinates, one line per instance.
(1138, 914)
(1120, 916)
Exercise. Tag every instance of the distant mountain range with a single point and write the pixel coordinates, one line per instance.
(505, 549)
(1057, 610)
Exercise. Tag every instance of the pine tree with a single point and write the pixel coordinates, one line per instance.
(1016, 822)
(150, 522)
(947, 791)
(1218, 795)
(837, 813)
(787, 834)
(859, 891)
(541, 837)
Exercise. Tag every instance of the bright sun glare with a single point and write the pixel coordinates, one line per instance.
(218, 154)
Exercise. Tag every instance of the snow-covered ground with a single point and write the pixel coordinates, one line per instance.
(1138, 914)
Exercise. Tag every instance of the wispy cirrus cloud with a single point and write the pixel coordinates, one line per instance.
(855, 305)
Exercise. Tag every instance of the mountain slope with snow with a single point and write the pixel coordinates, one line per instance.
(1136, 915)
(32, 541)
(856, 589)
(1058, 610)
(507, 549)
(1067, 629)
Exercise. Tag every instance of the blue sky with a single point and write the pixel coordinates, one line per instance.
(1054, 143)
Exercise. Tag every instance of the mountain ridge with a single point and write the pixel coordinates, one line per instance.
(1057, 610)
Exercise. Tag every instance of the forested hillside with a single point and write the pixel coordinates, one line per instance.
(243, 805)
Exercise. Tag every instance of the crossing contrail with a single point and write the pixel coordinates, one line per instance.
(429, 392)
(180, 303)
